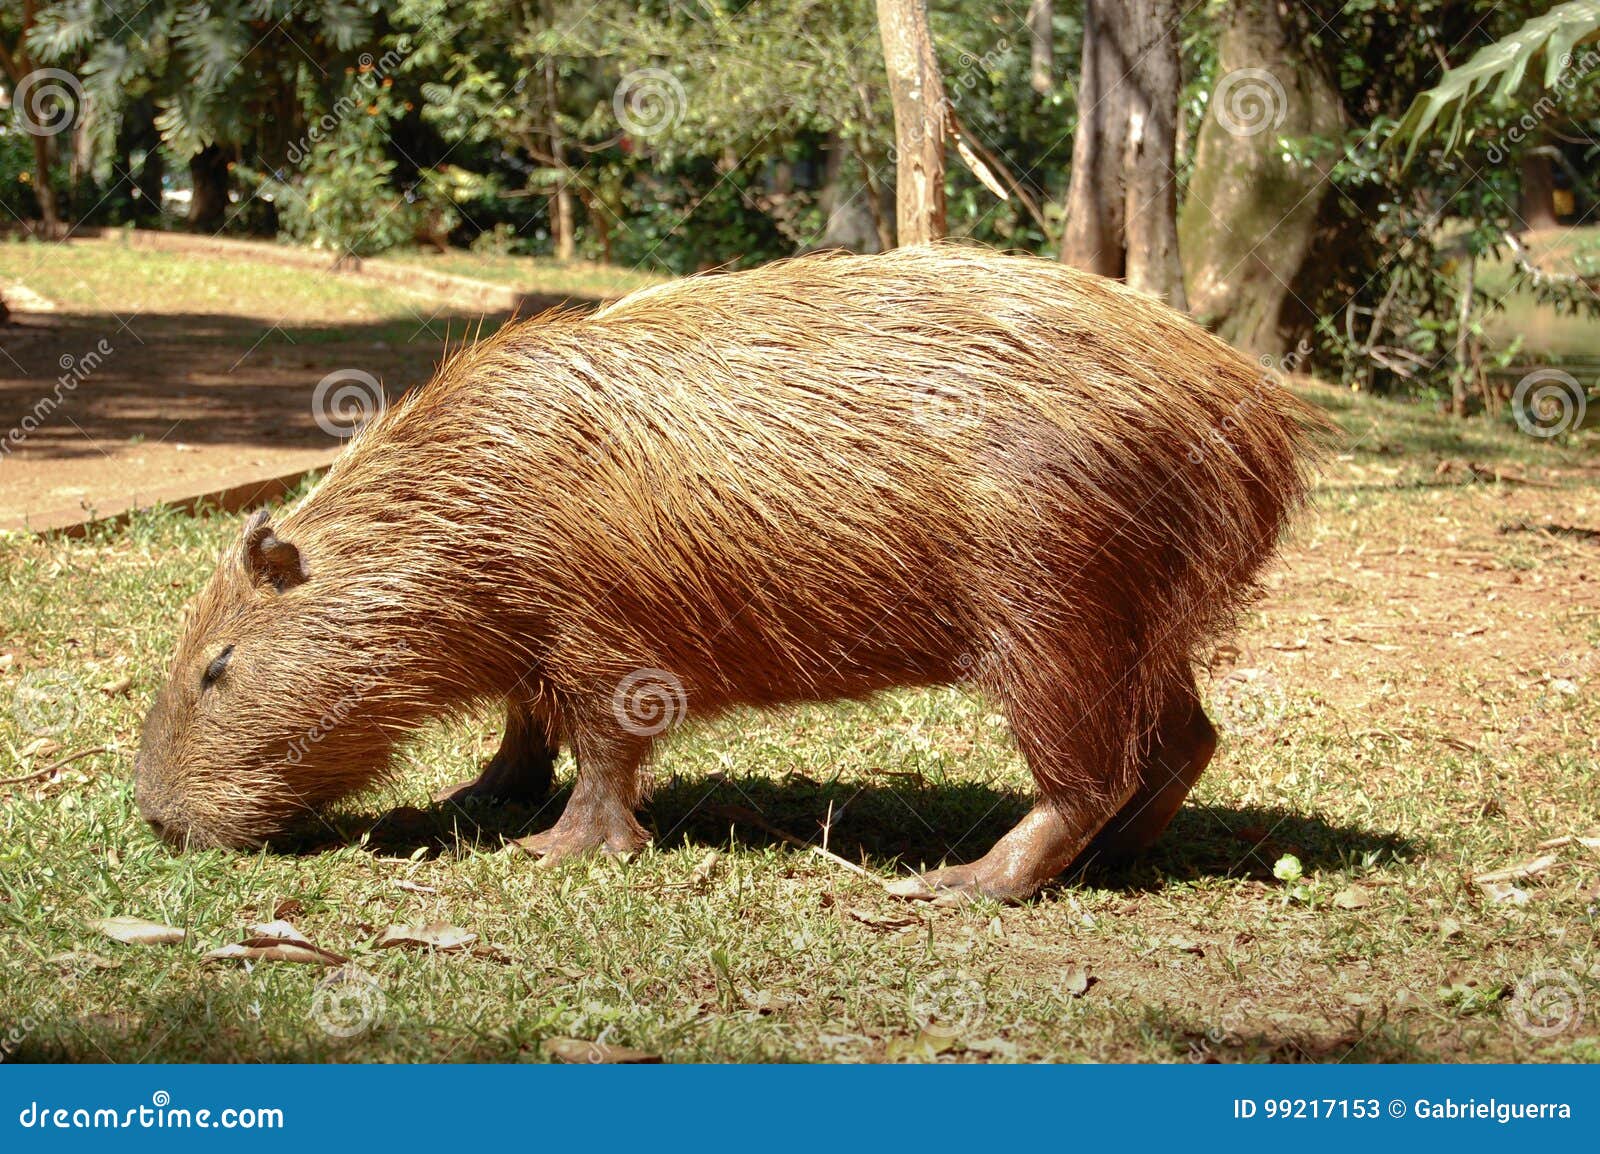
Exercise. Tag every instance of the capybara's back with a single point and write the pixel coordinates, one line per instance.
(822, 478)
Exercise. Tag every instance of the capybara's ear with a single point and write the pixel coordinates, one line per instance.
(269, 558)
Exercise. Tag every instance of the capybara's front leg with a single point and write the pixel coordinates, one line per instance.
(523, 769)
(599, 814)
(1179, 752)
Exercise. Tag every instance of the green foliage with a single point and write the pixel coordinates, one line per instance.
(1502, 64)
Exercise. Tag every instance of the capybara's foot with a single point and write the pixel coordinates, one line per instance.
(1038, 848)
(963, 881)
(617, 835)
(1183, 745)
(523, 770)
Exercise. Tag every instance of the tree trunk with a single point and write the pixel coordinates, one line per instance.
(44, 190)
(17, 64)
(1538, 190)
(208, 174)
(1249, 217)
(561, 226)
(919, 120)
(1096, 196)
(1150, 154)
(1041, 34)
(1464, 367)
(1122, 203)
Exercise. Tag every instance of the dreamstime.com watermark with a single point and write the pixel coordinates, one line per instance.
(336, 714)
(47, 102)
(1273, 370)
(348, 1003)
(346, 401)
(74, 371)
(371, 72)
(159, 1114)
(1568, 80)
(649, 701)
(1249, 101)
(47, 702)
(649, 102)
(1549, 402)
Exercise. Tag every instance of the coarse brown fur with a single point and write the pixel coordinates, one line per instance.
(822, 478)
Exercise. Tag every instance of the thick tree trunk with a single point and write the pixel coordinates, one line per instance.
(44, 190)
(1150, 158)
(1249, 216)
(919, 120)
(208, 174)
(1041, 35)
(561, 224)
(1538, 191)
(1096, 196)
(1122, 203)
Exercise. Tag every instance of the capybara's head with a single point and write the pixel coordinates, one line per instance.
(269, 709)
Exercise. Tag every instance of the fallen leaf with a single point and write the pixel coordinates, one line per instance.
(927, 1044)
(1504, 893)
(576, 1051)
(1517, 872)
(288, 908)
(137, 931)
(1075, 980)
(492, 952)
(118, 687)
(1449, 928)
(413, 887)
(434, 935)
(276, 942)
(884, 921)
(993, 1047)
(1352, 898)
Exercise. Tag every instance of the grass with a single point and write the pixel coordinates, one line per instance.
(574, 278)
(1424, 711)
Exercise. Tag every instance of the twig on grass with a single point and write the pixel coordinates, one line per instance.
(49, 769)
(739, 813)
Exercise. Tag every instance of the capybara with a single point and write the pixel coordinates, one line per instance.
(822, 478)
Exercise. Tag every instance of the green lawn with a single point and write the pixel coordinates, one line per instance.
(576, 278)
(1410, 731)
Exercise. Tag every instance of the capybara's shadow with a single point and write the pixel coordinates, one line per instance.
(891, 828)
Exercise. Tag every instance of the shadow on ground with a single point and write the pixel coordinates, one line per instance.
(886, 828)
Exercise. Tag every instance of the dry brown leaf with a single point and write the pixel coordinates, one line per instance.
(1075, 980)
(434, 935)
(1517, 872)
(137, 931)
(78, 959)
(883, 921)
(576, 1051)
(1504, 893)
(276, 941)
(118, 687)
(1352, 898)
(288, 908)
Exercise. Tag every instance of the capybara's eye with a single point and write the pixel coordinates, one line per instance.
(218, 665)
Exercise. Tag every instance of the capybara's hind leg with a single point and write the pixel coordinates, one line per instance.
(1079, 766)
(523, 769)
(599, 814)
(1183, 743)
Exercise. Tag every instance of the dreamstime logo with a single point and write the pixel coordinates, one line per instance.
(1568, 81)
(348, 1003)
(1548, 402)
(649, 102)
(346, 401)
(1248, 701)
(1249, 101)
(1547, 1003)
(371, 74)
(47, 702)
(47, 101)
(74, 371)
(649, 701)
(947, 1001)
